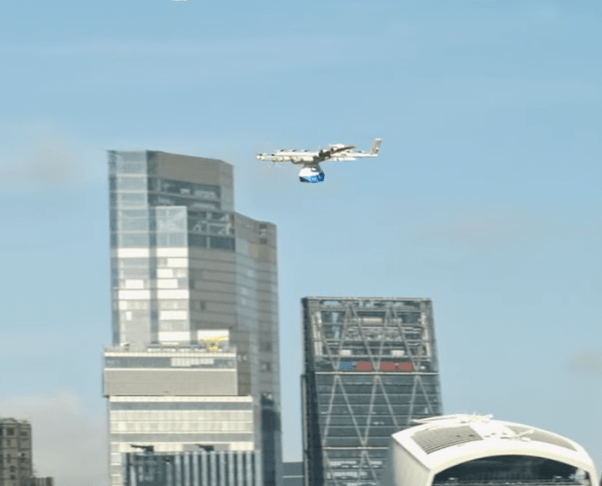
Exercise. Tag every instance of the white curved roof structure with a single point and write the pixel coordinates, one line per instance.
(476, 450)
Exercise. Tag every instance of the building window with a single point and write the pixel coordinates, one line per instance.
(265, 347)
(132, 240)
(131, 183)
(221, 243)
(127, 162)
(197, 240)
(131, 200)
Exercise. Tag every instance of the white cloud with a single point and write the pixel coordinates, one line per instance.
(260, 57)
(36, 155)
(586, 361)
(212, 49)
(486, 232)
(547, 15)
(49, 162)
(68, 443)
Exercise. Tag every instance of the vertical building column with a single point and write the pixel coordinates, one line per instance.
(230, 468)
(195, 469)
(258, 468)
(169, 465)
(204, 468)
(178, 469)
(186, 466)
(212, 460)
(249, 469)
(239, 469)
(222, 468)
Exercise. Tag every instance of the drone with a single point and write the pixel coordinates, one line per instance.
(311, 170)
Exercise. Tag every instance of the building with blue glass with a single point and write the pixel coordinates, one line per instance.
(370, 370)
(195, 314)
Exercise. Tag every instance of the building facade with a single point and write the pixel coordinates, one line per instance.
(47, 481)
(478, 451)
(370, 370)
(16, 467)
(292, 474)
(177, 400)
(188, 272)
(203, 467)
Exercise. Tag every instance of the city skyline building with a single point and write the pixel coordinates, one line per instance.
(16, 463)
(177, 400)
(47, 481)
(477, 450)
(198, 468)
(189, 275)
(292, 474)
(370, 369)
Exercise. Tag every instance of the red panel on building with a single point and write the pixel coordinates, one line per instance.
(405, 367)
(386, 366)
(364, 366)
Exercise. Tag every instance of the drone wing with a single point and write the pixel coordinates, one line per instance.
(294, 156)
(348, 155)
(336, 152)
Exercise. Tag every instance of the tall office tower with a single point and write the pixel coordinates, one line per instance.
(16, 467)
(187, 273)
(370, 369)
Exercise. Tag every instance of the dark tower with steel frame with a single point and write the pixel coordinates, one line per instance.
(370, 369)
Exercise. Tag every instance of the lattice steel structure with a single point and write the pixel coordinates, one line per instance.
(370, 369)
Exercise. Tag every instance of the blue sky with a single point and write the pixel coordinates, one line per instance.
(486, 196)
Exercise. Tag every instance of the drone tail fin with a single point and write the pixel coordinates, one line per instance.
(375, 147)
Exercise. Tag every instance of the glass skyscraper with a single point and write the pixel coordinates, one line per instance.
(370, 369)
(195, 317)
